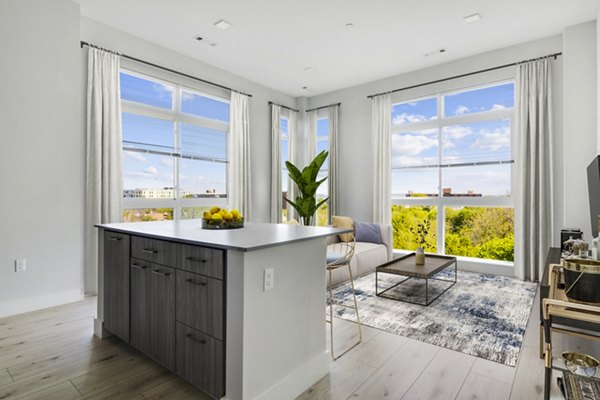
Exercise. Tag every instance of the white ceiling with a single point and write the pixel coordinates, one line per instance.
(273, 41)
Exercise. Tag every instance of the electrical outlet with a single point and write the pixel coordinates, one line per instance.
(269, 281)
(20, 265)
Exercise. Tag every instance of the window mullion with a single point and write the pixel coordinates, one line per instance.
(177, 147)
(440, 207)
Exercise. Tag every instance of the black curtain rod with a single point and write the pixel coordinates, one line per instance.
(467, 74)
(282, 106)
(322, 107)
(164, 68)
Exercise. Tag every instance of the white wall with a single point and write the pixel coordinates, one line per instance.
(41, 156)
(260, 135)
(355, 114)
(580, 122)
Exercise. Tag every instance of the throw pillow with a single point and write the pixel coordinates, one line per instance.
(343, 222)
(367, 232)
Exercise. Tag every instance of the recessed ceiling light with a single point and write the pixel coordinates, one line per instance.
(304, 87)
(310, 69)
(469, 19)
(198, 38)
(349, 25)
(222, 24)
(213, 45)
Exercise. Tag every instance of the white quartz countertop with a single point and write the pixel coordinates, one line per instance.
(252, 236)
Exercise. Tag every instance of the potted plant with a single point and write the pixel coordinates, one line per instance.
(421, 232)
(305, 203)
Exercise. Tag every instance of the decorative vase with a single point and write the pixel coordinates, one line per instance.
(420, 256)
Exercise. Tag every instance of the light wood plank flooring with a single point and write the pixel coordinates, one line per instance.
(52, 355)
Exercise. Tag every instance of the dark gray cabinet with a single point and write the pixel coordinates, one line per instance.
(162, 315)
(153, 310)
(116, 284)
(200, 360)
(167, 300)
(200, 303)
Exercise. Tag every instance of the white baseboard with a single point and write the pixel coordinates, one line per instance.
(298, 381)
(20, 306)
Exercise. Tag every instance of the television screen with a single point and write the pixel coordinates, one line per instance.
(593, 173)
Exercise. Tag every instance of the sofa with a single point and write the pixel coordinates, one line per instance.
(366, 257)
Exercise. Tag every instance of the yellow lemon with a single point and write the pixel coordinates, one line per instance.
(217, 217)
(207, 215)
(236, 214)
(214, 210)
(227, 216)
(223, 212)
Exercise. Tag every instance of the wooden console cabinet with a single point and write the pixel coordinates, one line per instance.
(167, 300)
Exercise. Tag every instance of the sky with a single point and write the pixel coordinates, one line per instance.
(144, 170)
(461, 143)
(476, 142)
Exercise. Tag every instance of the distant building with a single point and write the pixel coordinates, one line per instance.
(164, 193)
(447, 192)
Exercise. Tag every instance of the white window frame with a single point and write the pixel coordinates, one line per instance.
(438, 124)
(176, 116)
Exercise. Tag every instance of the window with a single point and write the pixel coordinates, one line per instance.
(174, 149)
(452, 170)
(322, 143)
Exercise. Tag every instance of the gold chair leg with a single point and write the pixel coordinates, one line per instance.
(357, 322)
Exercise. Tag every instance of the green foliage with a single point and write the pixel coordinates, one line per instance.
(482, 232)
(305, 203)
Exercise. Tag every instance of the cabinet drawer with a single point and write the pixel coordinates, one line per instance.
(201, 260)
(199, 303)
(200, 360)
(154, 250)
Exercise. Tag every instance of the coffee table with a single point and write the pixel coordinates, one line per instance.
(406, 266)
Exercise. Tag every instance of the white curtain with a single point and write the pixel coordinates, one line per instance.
(312, 136)
(381, 109)
(239, 155)
(294, 159)
(275, 164)
(104, 179)
(333, 159)
(534, 205)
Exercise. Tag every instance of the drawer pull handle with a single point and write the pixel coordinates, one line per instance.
(158, 272)
(137, 266)
(194, 259)
(189, 336)
(114, 238)
(193, 282)
(149, 251)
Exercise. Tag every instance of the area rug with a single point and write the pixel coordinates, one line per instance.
(482, 315)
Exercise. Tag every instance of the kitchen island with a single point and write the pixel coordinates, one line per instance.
(238, 313)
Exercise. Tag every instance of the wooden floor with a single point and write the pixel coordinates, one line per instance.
(52, 355)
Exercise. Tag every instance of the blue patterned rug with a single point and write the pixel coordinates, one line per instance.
(482, 315)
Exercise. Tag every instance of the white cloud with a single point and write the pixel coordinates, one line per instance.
(498, 107)
(457, 132)
(132, 155)
(151, 170)
(405, 118)
(166, 161)
(460, 110)
(493, 140)
(412, 145)
(163, 90)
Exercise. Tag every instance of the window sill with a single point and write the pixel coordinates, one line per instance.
(479, 265)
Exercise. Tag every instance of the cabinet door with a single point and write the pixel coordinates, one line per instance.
(162, 315)
(116, 284)
(200, 303)
(200, 360)
(140, 308)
